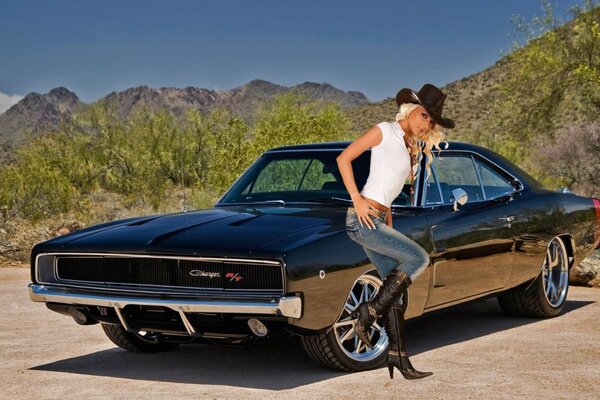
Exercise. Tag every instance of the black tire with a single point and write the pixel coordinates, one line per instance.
(136, 342)
(334, 349)
(537, 299)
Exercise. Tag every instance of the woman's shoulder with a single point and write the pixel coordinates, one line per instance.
(391, 131)
(389, 127)
(385, 127)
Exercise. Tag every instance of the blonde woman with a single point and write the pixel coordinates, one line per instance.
(395, 150)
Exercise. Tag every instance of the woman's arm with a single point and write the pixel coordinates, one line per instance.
(369, 139)
(388, 219)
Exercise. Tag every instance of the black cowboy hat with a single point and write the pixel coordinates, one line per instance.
(429, 97)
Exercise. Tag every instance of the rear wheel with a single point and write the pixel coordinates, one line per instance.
(139, 342)
(340, 348)
(546, 296)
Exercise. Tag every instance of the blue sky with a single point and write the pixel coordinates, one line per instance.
(375, 47)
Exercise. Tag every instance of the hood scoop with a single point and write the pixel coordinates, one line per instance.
(158, 239)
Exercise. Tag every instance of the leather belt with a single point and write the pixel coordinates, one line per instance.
(378, 213)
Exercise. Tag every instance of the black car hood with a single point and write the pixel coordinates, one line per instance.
(233, 231)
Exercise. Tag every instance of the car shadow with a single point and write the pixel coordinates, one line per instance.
(465, 322)
(283, 364)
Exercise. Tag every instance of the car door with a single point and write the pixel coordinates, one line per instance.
(473, 246)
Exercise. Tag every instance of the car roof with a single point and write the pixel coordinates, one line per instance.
(342, 145)
(449, 145)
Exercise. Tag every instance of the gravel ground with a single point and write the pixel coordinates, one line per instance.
(474, 351)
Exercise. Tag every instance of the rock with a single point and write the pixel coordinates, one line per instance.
(63, 231)
(67, 228)
(588, 271)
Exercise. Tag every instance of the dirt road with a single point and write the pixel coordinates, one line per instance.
(474, 351)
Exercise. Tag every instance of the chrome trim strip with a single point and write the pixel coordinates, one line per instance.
(168, 291)
(130, 255)
(287, 306)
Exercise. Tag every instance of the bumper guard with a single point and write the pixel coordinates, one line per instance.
(289, 306)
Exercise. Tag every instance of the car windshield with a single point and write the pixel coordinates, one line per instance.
(299, 177)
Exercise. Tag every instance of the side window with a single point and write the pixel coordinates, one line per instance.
(456, 171)
(494, 183)
(432, 190)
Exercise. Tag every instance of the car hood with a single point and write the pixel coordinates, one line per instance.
(233, 231)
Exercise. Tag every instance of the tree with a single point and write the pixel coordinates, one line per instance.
(222, 149)
(558, 68)
(290, 119)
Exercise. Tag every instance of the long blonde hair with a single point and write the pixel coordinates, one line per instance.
(434, 137)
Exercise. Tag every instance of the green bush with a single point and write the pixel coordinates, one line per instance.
(148, 157)
(34, 189)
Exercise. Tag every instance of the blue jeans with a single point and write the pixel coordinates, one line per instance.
(387, 248)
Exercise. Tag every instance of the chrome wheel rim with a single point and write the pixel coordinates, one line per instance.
(555, 273)
(364, 289)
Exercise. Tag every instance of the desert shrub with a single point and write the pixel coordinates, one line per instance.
(572, 160)
(33, 189)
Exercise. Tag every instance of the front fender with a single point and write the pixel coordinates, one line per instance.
(324, 293)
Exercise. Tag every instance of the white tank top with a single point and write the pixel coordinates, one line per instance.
(390, 165)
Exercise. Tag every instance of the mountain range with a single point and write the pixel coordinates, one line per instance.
(37, 113)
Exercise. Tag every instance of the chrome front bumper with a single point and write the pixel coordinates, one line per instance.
(290, 306)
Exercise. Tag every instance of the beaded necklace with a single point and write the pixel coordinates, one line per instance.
(413, 161)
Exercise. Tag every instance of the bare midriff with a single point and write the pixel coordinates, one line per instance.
(375, 204)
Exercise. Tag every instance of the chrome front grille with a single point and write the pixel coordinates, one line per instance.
(170, 273)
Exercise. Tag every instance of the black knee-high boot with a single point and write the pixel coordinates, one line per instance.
(393, 286)
(396, 332)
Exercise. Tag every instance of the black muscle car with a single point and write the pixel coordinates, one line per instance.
(273, 257)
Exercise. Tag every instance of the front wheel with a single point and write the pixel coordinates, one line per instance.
(546, 296)
(340, 348)
(139, 342)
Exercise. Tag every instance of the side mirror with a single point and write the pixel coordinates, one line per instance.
(459, 196)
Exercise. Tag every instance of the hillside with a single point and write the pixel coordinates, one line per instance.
(563, 65)
(471, 103)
